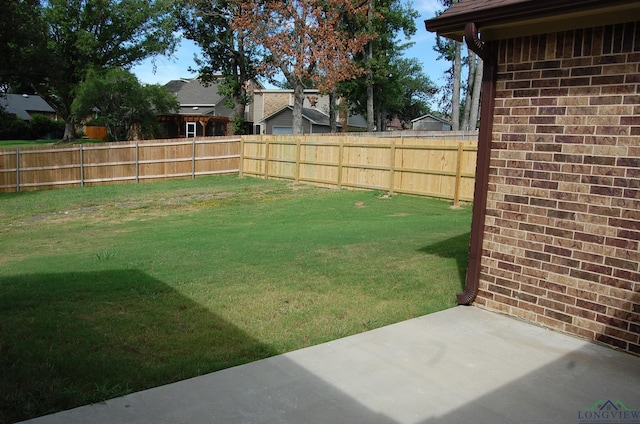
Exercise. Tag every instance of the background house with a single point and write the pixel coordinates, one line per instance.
(281, 121)
(24, 106)
(430, 123)
(202, 110)
(272, 108)
(556, 225)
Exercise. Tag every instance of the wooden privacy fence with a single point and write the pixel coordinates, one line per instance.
(441, 166)
(106, 163)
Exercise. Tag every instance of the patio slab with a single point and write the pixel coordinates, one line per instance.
(461, 365)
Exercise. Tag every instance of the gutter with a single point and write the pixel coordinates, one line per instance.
(489, 58)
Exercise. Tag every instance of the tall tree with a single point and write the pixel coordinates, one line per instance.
(22, 41)
(413, 90)
(472, 101)
(455, 95)
(303, 39)
(226, 58)
(370, 94)
(451, 101)
(97, 34)
(126, 107)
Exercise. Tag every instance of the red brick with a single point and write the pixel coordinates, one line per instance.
(606, 191)
(594, 307)
(606, 100)
(588, 276)
(501, 290)
(610, 79)
(573, 82)
(624, 223)
(627, 275)
(583, 313)
(558, 316)
(611, 341)
(543, 101)
(621, 334)
(551, 304)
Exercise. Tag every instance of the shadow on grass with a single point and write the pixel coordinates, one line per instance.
(452, 248)
(77, 338)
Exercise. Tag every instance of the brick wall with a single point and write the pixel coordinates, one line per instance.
(562, 235)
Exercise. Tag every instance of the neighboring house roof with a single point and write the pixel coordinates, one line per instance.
(197, 98)
(317, 117)
(431, 117)
(24, 105)
(194, 93)
(357, 121)
(507, 18)
(314, 116)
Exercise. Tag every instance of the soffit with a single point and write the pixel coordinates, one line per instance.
(501, 19)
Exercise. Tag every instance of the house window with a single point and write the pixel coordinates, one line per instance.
(282, 130)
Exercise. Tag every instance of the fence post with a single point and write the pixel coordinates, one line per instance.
(137, 162)
(266, 159)
(392, 165)
(340, 160)
(193, 159)
(241, 164)
(81, 166)
(298, 153)
(456, 195)
(17, 169)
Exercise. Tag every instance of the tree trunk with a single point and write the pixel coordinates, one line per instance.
(240, 92)
(475, 99)
(343, 111)
(370, 108)
(298, 102)
(238, 114)
(70, 133)
(467, 100)
(381, 118)
(333, 126)
(455, 96)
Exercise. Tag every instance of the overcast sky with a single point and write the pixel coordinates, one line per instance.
(176, 67)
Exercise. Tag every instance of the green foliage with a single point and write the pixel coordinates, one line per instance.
(43, 127)
(39, 127)
(400, 86)
(13, 128)
(124, 105)
(95, 34)
(110, 289)
(22, 35)
(226, 58)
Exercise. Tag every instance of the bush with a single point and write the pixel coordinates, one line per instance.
(14, 128)
(40, 127)
(45, 128)
(97, 121)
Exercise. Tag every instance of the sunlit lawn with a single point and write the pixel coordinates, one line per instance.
(113, 289)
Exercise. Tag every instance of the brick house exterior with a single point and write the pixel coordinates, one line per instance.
(560, 231)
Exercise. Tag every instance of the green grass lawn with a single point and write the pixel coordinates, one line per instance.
(113, 289)
(15, 144)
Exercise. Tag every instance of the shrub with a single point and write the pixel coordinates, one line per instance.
(13, 128)
(40, 127)
(45, 128)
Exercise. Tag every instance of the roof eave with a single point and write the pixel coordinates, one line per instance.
(526, 17)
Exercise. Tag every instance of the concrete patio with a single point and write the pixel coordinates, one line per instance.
(462, 365)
